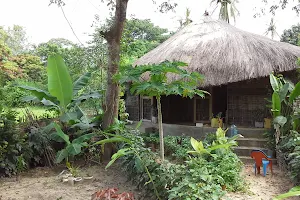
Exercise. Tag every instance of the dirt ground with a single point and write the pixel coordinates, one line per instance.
(264, 188)
(43, 184)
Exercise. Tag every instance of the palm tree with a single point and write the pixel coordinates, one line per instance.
(187, 20)
(227, 9)
(272, 29)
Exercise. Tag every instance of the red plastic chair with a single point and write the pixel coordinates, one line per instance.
(261, 160)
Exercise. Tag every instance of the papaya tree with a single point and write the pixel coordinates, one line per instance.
(153, 81)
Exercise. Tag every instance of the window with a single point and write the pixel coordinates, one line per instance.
(146, 108)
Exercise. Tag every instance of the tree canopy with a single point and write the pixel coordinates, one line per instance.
(291, 35)
(141, 36)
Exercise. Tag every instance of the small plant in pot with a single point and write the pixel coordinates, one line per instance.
(259, 118)
(217, 120)
(268, 120)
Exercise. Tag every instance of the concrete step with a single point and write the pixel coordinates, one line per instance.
(247, 160)
(246, 151)
(252, 132)
(252, 142)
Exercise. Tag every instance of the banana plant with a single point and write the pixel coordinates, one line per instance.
(62, 93)
(283, 97)
(71, 148)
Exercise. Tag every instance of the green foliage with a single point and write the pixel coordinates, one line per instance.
(123, 115)
(64, 95)
(71, 148)
(177, 146)
(295, 191)
(196, 184)
(75, 171)
(31, 67)
(21, 165)
(209, 138)
(291, 35)
(221, 145)
(286, 122)
(276, 104)
(284, 95)
(141, 36)
(270, 136)
(38, 140)
(158, 84)
(200, 177)
(15, 38)
(12, 144)
(59, 80)
(12, 96)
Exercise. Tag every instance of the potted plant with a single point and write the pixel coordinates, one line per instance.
(217, 120)
(259, 118)
(268, 121)
(214, 121)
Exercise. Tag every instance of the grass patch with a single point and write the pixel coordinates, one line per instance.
(38, 112)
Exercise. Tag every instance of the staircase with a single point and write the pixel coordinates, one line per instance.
(253, 139)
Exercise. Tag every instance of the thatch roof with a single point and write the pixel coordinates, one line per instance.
(223, 53)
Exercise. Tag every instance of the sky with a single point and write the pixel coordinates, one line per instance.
(43, 22)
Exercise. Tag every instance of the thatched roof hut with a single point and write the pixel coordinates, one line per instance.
(223, 53)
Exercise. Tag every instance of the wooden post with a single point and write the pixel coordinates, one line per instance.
(211, 102)
(195, 106)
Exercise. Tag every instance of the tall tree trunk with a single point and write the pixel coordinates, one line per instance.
(113, 37)
(160, 130)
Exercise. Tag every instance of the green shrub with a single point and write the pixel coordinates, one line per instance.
(209, 138)
(290, 146)
(12, 144)
(201, 176)
(12, 96)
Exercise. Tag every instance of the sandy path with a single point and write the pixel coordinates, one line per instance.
(42, 184)
(263, 188)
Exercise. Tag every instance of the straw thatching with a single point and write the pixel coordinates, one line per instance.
(223, 53)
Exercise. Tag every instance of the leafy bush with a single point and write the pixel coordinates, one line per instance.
(12, 144)
(38, 138)
(177, 146)
(197, 183)
(209, 138)
(71, 148)
(203, 176)
(12, 96)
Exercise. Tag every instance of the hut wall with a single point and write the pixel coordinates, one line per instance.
(219, 100)
(176, 109)
(246, 99)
